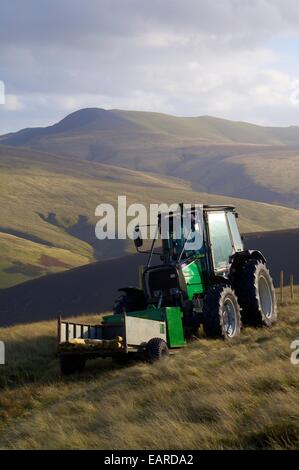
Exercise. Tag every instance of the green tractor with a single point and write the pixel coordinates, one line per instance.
(216, 288)
(219, 287)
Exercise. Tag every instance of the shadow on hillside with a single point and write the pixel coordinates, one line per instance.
(84, 230)
(87, 289)
(25, 236)
(92, 288)
(281, 250)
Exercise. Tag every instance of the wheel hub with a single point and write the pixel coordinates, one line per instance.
(265, 296)
(229, 316)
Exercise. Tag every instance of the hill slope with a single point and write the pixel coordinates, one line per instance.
(48, 203)
(47, 209)
(175, 404)
(94, 287)
(216, 155)
(207, 128)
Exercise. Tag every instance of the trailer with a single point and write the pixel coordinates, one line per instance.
(121, 337)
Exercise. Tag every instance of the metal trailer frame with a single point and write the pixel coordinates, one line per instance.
(135, 333)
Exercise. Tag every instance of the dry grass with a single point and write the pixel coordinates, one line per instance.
(210, 395)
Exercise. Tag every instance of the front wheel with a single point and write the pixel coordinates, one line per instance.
(256, 294)
(221, 312)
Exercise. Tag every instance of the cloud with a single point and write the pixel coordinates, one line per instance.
(188, 58)
(2, 93)
(13, 103)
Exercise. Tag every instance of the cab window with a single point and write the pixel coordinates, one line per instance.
(220, 240)
(237, 240)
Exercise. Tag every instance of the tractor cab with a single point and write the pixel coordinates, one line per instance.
(194, 254)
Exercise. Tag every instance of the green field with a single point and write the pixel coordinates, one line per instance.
(47, 210)
(211, 395)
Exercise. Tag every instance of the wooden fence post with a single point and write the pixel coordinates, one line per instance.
(292, 285)
(141, 269)
(281, 286)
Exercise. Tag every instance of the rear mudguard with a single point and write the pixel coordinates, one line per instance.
(238, 259)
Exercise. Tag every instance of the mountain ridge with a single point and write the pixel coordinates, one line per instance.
(215, 155)
(85, 116)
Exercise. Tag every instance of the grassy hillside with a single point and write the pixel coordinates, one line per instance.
(48, 203)
(210, 395)
(23, 259)
(206, 128)
(216, 155)
(211, 129)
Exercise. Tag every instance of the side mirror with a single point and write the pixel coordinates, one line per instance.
(138, 239)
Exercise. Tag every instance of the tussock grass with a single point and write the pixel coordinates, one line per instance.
(210, 395)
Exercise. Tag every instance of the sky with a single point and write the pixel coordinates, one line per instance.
(233, 59)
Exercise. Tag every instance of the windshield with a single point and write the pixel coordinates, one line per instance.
(182, 244)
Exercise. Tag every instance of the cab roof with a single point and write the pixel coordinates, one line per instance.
(215, 207)
(205, 207)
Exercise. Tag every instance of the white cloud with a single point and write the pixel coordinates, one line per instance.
(2, 93)
(13, 103)
(188, 58)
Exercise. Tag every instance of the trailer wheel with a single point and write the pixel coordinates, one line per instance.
(221, 312)
(156, 349)
(256, 294)
(71, 363)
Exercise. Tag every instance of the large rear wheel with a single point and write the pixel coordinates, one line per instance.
(221, 312)
(256, 294)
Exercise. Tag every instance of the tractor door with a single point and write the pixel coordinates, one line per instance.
(221, 242)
